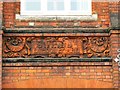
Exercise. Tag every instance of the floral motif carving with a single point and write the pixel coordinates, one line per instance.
(15, 44)
(56, 47)
(98, 44)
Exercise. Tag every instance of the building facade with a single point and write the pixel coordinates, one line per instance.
(60, 51)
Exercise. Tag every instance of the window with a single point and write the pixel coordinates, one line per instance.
(56, 7)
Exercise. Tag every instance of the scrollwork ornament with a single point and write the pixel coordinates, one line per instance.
(14, 47)
(98, 44)
(55, 47)
(15, 44)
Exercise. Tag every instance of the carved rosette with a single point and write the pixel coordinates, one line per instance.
(14, 46)
(55, 47)
(97, 47)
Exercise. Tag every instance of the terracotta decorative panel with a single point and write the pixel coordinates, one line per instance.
(55, 47)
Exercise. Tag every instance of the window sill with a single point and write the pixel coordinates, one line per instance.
(92, 17)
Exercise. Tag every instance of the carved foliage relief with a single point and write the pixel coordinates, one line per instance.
(55, 47)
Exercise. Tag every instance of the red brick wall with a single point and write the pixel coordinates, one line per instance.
(115, 45)
(114, 6)
(9, 9)
(104, 72)
(101, 8)
(14, 73)
(19, 74)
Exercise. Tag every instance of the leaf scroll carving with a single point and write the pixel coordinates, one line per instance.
(55, 47)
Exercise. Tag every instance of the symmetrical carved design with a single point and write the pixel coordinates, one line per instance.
(55, 47)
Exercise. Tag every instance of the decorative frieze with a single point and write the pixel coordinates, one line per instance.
(55, 47)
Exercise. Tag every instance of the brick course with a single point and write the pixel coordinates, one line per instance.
(14, 74)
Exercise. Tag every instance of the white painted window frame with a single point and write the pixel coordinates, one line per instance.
(44, 12)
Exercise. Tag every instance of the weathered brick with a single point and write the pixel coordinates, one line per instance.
(99, 70)
(67, 74)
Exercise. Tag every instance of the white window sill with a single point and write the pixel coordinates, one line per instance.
(92, 17)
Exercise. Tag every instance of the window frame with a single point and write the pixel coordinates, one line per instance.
(44, 12)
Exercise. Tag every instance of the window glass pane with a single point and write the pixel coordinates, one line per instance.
(55, 5)
(60, 5)
(79, 5)
(74, 5)
(50, 5)
(85, 4)
(32, 5)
